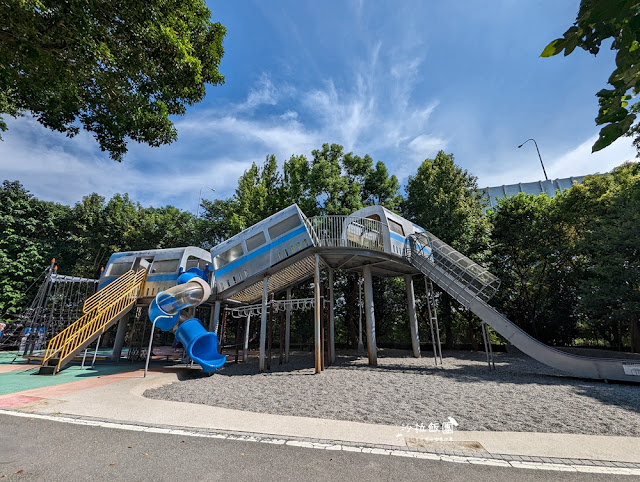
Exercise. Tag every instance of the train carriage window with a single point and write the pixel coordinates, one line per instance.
(284, 226)
(195, 262)
(256, 241)
(119, 268)
(165, 266)
(396, 227)
(228, 256)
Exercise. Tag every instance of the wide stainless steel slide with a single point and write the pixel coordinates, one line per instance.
(472, 285)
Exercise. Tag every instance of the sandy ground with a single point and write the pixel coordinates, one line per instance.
(521, 395)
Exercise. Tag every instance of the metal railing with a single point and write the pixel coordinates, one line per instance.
(426, 251)
(99, 310)
(104, 296)
(347, 232)
(278, 305)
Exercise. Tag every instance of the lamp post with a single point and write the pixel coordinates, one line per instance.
(200, 199)
(541, 163)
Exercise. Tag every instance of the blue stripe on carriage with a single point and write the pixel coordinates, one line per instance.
(254, 254)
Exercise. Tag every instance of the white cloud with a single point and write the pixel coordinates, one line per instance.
(289, 115)
(580, 160)
(257, 137)
(369, 109)
(33, 155)
(577, 161)
(425, 146)
(264, 93)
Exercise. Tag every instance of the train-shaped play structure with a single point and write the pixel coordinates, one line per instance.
(241, 275)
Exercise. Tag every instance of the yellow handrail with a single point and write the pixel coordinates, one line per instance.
(99, 311)
(105, 294)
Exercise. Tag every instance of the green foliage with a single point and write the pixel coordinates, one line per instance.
(597, 21)
(27, 236)
(531, 255)
(119, 69)
(257, 195)
(605, 212)
(444, 199)
(99, 228)
(570, 265)
(332, 182)
(344, 183)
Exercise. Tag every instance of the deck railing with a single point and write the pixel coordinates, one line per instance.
(427, 250)
(347, 232)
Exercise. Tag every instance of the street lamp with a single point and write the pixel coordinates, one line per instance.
(534, 141)
(200, 199)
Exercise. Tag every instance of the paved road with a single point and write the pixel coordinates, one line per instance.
(33, 449)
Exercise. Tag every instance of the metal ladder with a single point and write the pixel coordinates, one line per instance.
(433, 320)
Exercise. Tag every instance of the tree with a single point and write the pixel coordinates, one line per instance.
(597, 21)
(445, 199)
(531, 252)
(26, 230)
(100, 228)
(296, 187)
(257, 195)
(165, 227)
(570, 265)
(605, 212)
(119, 69)
(344, 182)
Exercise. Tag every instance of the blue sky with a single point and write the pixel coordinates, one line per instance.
(396, 80)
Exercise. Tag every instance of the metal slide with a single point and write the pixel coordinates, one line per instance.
(472, 285)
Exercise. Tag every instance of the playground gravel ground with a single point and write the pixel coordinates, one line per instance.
(521, 395)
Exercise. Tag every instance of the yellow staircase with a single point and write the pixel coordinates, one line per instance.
(101, 311)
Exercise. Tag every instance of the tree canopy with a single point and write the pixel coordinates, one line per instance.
(445, 199)
(531, 253)
(597, 21)
(118, 69)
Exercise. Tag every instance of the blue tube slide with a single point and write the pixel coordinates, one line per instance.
(201, 345)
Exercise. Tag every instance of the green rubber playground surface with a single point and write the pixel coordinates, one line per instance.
(6, 357)
(28, 379)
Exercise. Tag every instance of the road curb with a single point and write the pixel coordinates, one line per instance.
(502, 460)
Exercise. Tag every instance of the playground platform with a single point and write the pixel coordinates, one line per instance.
(115, 400)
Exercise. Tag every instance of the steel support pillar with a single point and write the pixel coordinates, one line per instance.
(214, 319)
(413, 318)
(287, 331)
(360, 344)
(317, 314)
(121, 332)
(263, 322)
(245, 348)
(332, 333)
(372, 349)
